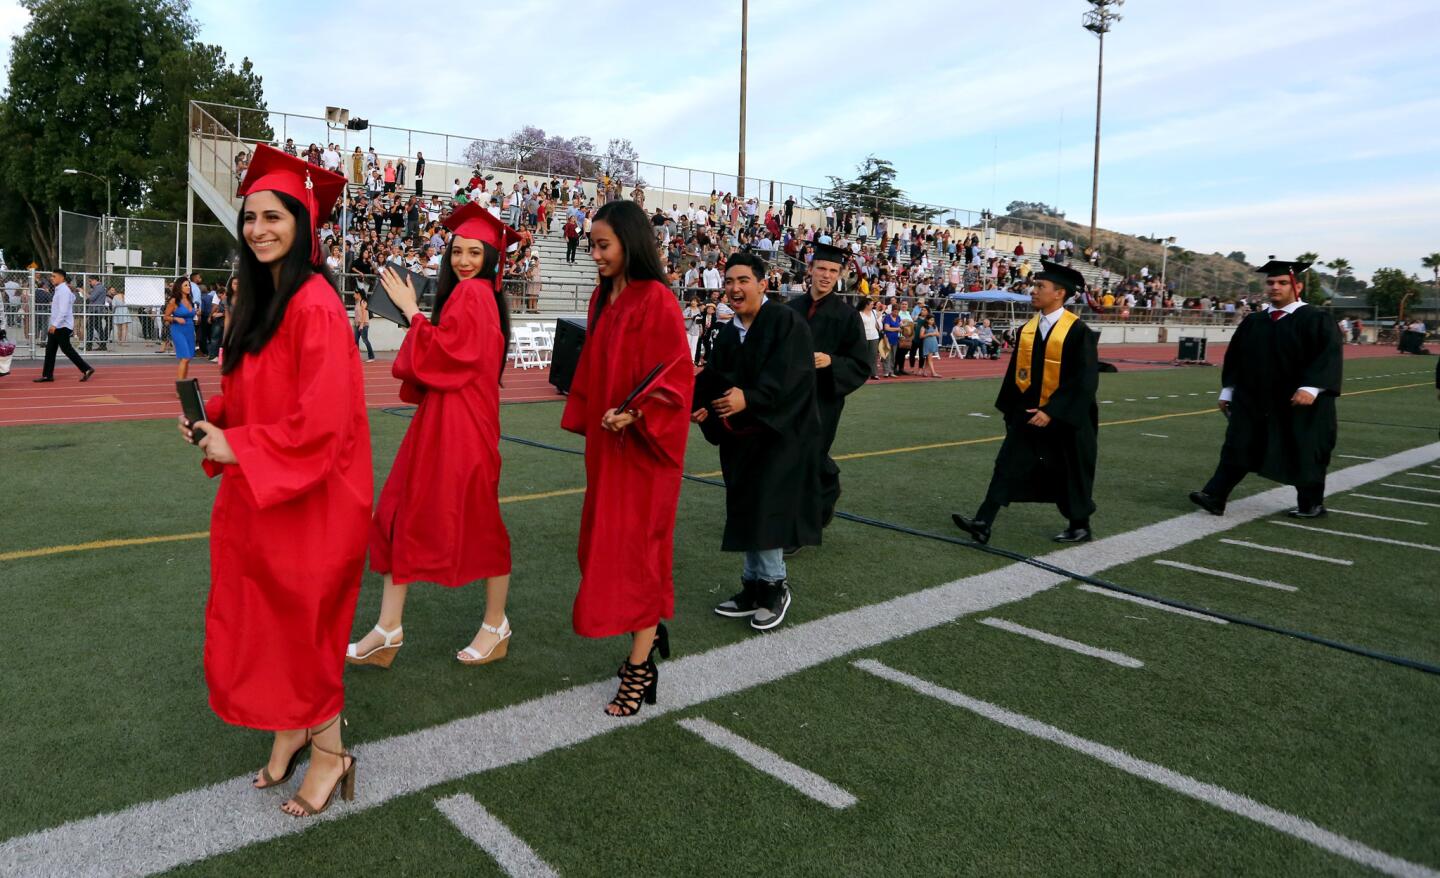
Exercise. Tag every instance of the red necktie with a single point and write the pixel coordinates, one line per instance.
(1275, 315)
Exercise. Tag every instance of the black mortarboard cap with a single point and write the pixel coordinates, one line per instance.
(830, 253)
(1067, 277)
(1277, 267)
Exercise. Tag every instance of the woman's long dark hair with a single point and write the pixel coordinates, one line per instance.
(636, 236)
(261, 303)
(446, 283)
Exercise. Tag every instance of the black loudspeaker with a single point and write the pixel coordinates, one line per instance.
(569, 339)
(1192, 350)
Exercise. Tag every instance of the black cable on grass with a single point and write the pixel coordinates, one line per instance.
(1059, 571)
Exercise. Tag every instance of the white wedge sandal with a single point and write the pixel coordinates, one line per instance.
(472, 656)
(380, 656)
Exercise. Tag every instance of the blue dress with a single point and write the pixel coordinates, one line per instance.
(183, 334)
(931, 347)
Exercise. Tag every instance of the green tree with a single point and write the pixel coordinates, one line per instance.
(872, 192)
(102, 86)
(1314, 293)
(1388, 288)
(1432, 262)
(1237, 256)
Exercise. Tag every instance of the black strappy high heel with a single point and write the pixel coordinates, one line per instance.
(637, 685)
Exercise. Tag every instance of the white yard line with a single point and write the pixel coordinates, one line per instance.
(511, 853)
(1280, 550)
(1340, 533)
(765, 761)
(1398, 500)
(1154, 605)
(1410, 488)
(1115, 658)
(1422, 475)
(1155, 435)
(1210, 794)
(1225, 574)
(1333, 511)
(217, 818)
(1354, 457)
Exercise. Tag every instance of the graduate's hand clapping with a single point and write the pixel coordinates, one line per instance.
(1040, 419)
(732, 403)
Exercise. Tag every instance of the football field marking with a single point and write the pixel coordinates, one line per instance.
(221, 817)
(1154, 605)
(1410, 488)
(1296, 553)
(802, 780)
(1333, 511)
(1210, 794)
(1398, 500)
(1340, 533)
(1423, 475)
(1224, 574)
(1355, 457)
(509, 851)
(1114, 658)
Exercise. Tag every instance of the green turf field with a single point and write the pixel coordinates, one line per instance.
(105, 706)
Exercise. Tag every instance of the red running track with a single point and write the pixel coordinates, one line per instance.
(135, 389)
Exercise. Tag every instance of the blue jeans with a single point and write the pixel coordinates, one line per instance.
(767, 564)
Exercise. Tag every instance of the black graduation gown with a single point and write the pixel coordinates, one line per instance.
(769, 453)
(836, 330)
(1266, 362)
(1054, 463)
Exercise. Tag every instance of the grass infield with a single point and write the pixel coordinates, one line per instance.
(105, 706)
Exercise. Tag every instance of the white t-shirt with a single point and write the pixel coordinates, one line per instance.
(712, 278)
(12, 292)
(871, 321)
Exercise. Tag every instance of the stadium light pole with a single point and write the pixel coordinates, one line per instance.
(1101, 17)
(1164, 255)
(744, 47)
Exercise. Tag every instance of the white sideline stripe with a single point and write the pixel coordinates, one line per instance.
(1115, 658)
(1210, 794)
(511, 853)
(1411, 488)
(1120, 595)
(1355, 457)
(161, 834)
(803, 780)
(1398, 500)
(1224, 574)
(1294, 552)
(1423, 475)
(1340, 533)
(1155, 435)
(1333, 511)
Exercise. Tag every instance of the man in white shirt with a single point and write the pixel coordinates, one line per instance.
(330, 158)
(712, 277)
(62, 326)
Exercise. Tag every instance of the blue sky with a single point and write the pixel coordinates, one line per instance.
(1263, 127)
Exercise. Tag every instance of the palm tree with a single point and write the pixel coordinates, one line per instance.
(1309, 280)
(1341, 266)
(1432, 262)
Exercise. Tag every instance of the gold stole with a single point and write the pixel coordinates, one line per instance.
(1054, 343)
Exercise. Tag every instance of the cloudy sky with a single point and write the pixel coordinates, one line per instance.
(1272, 127)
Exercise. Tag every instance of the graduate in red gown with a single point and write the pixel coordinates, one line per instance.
(634, 457)
(289, 436)
(439, 513)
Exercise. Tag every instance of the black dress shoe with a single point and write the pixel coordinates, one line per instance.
(1212, 505)
(86, 376)
(1073, 535)
(978, 530)
(1312, 512)
(43, 378)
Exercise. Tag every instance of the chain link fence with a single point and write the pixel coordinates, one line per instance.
(130, 245)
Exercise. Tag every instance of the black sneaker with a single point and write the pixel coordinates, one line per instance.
(1211, 504)
(743, 604)
(773, 604)
(1312, 512)
(977, 529)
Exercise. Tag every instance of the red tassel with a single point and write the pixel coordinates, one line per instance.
(312, 207)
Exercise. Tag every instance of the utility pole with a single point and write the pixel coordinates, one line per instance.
(1099, 20)
(744, 39)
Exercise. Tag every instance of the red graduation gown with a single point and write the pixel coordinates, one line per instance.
(287, 534)
(439, 513)
(632, 479)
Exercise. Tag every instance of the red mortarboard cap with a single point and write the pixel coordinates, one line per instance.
(314, 187)
(473, 221)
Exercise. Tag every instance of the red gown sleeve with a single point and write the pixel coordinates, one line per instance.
(282, 460)
(664, 425)
(447, 356)
(215, 414)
